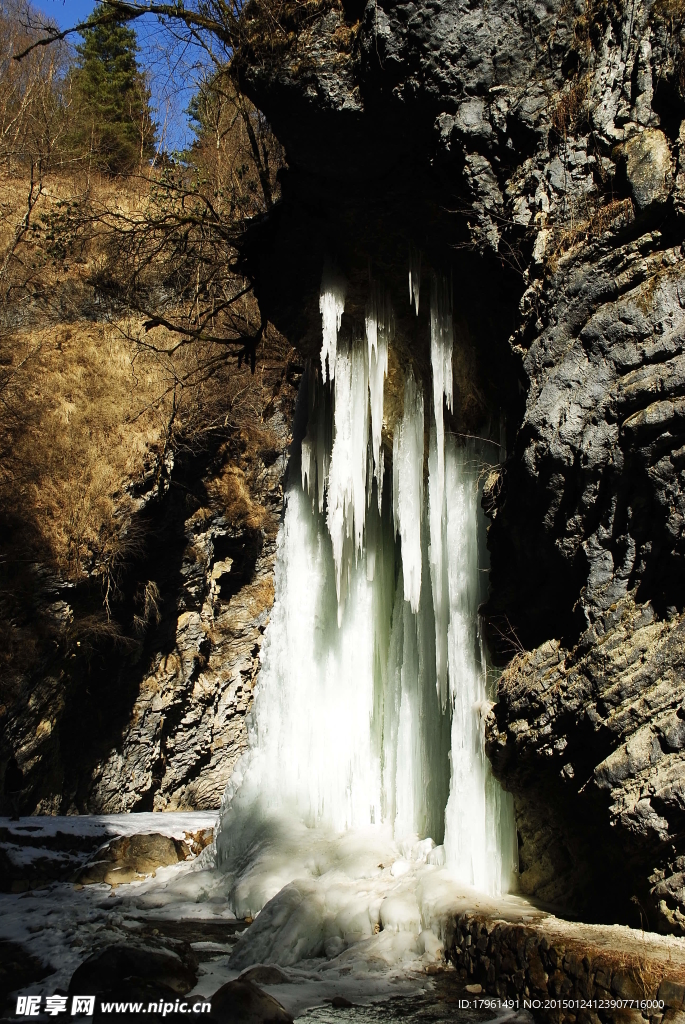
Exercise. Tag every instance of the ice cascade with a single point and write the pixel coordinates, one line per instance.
(366, 734)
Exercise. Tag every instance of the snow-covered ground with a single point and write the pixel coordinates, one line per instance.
(61, 923)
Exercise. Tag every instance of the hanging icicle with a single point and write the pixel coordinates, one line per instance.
(348, 466)
(442, 342)
(372, 691)
(331, 307)
(407, 487)
(379, 330)
(414, 277)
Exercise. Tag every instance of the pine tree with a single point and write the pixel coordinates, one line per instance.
(112, 101)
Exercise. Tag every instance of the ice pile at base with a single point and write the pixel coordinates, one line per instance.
(365, 805)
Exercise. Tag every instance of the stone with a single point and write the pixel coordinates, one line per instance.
(625, 986)
(265, 974)
(132, 857)
(19, 969)
(122, 969)
(672, 993)
(648, 167)
(243, 1002)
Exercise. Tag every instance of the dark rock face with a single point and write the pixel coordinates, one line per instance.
(18, 970)
(592, 503)
(592, 742)
(115, 968)
(537, 150)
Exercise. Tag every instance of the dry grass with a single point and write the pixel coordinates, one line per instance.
(72, 434)
(571, 110)
(232, 492)
(609, 216)
(88, 409)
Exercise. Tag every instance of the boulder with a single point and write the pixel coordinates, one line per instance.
(648, 167)
(243, 1002)
(143, 972)
(265, 974)
(132, 857)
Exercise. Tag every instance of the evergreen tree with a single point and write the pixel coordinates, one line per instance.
(112, 100)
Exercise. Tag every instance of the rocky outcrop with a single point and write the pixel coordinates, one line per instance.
(187, 725)
(592, 743)
(133, 857)
(148, 710)
(591, 506)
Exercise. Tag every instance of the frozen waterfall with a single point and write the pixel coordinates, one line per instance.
(366, 734)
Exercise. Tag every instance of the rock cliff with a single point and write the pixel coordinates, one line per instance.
(536, 150)
(147, 710)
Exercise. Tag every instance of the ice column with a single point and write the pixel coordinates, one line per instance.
(442, 342)
(480, 836)
(414, 277)
(378, 336)
(407, 487)
(348, 466)
(331, 306)
(316, 446)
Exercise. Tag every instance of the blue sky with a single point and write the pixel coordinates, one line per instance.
(172, 68)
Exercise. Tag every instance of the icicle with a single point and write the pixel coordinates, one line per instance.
(372, 694)
(348, 466)
(407, 471)
(437, 557)
(442, 340)
(378, 335)
(478, 817)
(331, 307)
(414, 277)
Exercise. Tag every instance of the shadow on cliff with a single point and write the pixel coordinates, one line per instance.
(80, 702)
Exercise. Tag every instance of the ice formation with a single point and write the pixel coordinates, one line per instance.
(366, 737)
(407, 488)
(379, 329)
(414, 277)
(331, 307)
(442, 343)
